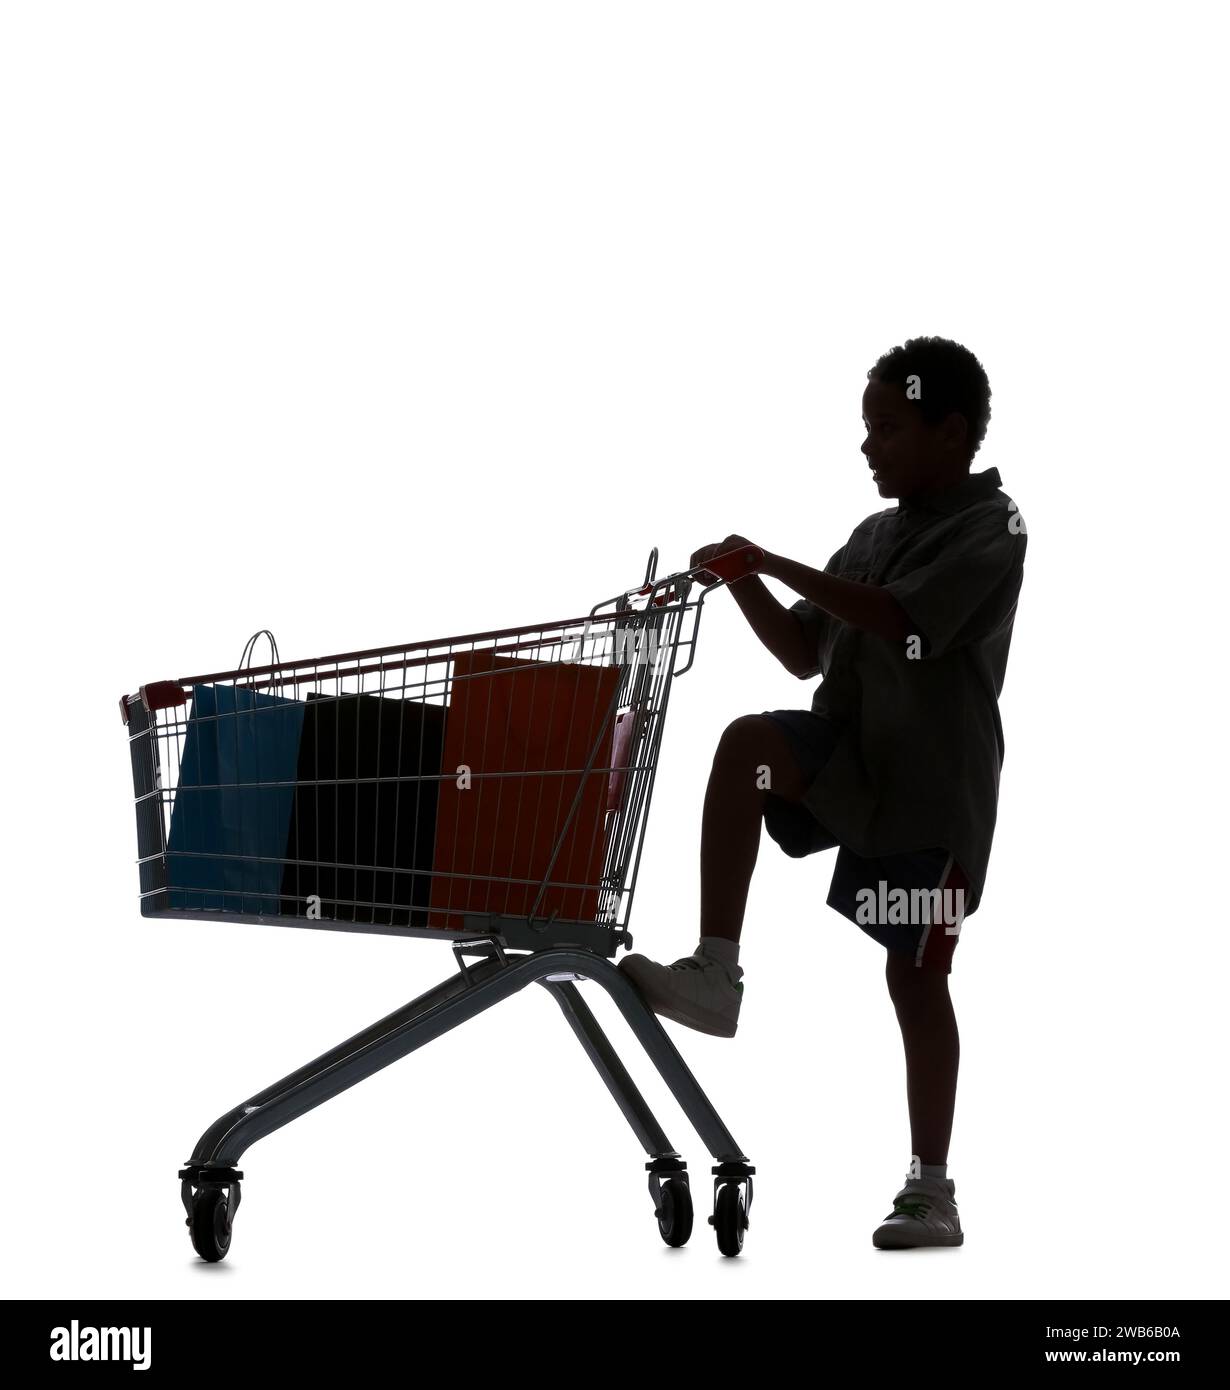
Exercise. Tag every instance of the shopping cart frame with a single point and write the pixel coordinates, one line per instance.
(512, 952)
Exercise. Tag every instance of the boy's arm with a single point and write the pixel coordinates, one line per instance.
(781, 631)
(869, 606)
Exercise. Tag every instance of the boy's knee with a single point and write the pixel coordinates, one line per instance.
(755, 746)
(744, 737)
(906, 980)
(751, 742)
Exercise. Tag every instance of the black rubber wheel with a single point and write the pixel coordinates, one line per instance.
(211, 1236)
(730, 1218)
(675, 1219)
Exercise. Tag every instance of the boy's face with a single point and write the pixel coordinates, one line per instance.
(905, 453)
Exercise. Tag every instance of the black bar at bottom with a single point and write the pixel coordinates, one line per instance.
(319, 1337)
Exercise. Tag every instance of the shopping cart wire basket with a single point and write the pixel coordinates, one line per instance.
(491, 790)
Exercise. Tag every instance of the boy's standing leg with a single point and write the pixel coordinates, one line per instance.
(932, 1053)
(925, 1210)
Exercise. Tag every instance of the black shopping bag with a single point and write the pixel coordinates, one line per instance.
(362, 827)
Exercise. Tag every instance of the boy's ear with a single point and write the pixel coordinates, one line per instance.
(955, 431)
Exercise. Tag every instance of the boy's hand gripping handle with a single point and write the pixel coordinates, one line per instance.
(734, 564)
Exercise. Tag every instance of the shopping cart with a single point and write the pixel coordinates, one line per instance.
(490, 790)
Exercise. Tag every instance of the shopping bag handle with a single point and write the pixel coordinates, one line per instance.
(245, 661)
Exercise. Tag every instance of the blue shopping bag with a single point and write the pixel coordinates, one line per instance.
(227, 842)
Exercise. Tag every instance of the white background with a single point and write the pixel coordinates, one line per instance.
(372, 323)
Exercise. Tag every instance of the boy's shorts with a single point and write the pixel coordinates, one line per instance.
(913, 921)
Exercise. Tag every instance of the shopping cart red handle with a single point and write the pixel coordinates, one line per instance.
(734, 564)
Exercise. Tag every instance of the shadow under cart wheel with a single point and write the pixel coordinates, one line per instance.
(729, 1218)
(675, 1212)
(210, 1223)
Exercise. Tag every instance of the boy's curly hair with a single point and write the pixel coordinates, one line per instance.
(950, 378)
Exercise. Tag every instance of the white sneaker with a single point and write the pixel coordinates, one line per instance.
(924, 1213)
(696, 991)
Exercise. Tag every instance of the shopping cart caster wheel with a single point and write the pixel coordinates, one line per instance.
(729, 1219)
(675, 1212)
(210, 1224)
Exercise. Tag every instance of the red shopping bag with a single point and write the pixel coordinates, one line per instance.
(518, 736)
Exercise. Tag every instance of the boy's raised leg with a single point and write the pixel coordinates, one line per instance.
(753, 758)
(703, 990)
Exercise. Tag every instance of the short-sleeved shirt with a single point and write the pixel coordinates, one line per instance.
(922, 747)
